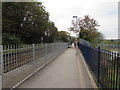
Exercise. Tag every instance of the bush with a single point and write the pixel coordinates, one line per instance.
(10, 39)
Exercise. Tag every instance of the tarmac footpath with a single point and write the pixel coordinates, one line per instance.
(68, 70)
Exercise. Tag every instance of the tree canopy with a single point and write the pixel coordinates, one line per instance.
(27, 22)
(64, 36)
(87, 29)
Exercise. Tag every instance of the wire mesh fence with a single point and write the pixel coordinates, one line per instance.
(105, 66)
(18, 63)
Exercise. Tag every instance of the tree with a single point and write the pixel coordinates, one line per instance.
(51, 32)
(63, 35)
(27, 21)
(88, 29)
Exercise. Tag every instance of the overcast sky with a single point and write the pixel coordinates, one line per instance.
(104, 11)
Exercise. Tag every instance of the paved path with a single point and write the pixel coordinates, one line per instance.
(66, 71)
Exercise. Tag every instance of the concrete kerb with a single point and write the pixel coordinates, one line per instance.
(37, 70)
(90, 73)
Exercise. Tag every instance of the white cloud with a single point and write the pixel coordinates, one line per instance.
(104, 11)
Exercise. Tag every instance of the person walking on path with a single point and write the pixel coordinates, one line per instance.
(74, 44)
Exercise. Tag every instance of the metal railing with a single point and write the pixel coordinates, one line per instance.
(84, 42)
(110, 47)
(18, 63)
(105, 66)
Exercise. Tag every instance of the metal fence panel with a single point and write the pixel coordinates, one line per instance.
(18, 63)
(105, 65)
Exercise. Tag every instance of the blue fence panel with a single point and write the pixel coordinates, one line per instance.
(105, 66)
(91, 56)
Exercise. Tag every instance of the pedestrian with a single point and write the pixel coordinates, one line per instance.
(74, 44)
(78, 44)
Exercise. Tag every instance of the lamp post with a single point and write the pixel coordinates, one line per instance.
(77, 30)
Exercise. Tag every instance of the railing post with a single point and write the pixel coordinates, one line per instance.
(117, 74)
(2, 66)
(98, 64)
(33, 46)
(46, 50)
(33, 51)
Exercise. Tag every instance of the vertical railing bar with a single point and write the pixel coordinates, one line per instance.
(2, 66)
(22, 58)
(98, 64)
(16, 48)
(108, 68)
(26, 56)
(117, 65)
(18, 56)
(114, 54)
(33, 46)
(11, 63)
(54, 49)
(46, 51)
(105, 78)
(21, 61)
(22, 53)
(112, 70)
(14, 59)
(5, 70)
(103, 61)
(103, 68)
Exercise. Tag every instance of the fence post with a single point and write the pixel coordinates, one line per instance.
(33, 46)
(117, 74)
(46, 50)
(98, 64)
(2, 66)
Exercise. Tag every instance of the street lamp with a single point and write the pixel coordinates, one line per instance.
(77, 30)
